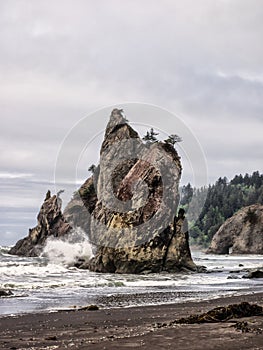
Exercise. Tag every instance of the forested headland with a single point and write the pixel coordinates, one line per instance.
(218, 202)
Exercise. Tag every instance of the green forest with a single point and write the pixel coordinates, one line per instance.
(208, 207)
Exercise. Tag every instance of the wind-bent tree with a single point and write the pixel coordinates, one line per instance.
(173, 139)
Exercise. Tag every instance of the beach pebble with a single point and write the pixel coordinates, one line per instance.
(89, 307)
(52, 337)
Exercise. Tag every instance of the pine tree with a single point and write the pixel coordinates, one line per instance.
(92, 168)
(173, 139)
(150, 136)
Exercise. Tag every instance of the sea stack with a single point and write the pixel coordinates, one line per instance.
(51, 223)
(128, 207)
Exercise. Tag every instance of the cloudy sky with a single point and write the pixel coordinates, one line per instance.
(61, 60)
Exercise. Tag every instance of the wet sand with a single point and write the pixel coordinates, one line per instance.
(144, 327)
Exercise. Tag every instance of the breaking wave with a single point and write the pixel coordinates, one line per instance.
(66, 251)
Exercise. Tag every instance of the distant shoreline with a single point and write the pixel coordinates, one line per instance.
(121, 328)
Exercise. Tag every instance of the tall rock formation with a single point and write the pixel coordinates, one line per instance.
(50, 223)
(242, 233)
(128, 206)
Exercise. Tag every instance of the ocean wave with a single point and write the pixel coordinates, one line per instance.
(67, 250)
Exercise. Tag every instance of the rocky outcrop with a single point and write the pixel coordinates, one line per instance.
(254, 274)
(78, 211)
(241, 234)
(51, 223)
(128, 206)
(168, 251)
(5, 293)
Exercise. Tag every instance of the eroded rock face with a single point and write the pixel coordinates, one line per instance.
(50, 223)
(129, 205)
(242, 233)
(127, 208)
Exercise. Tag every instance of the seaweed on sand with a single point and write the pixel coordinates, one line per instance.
(224, 313)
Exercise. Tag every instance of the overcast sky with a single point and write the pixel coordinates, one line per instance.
(60, 60)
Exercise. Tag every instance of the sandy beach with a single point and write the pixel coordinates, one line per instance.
(144, 327)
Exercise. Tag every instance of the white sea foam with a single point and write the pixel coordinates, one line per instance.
(67, 250)
(48, 282)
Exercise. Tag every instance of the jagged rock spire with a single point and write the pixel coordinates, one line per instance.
(116, 118)
(117, 129)
(50, 222)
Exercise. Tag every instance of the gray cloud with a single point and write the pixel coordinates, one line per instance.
(61, 60)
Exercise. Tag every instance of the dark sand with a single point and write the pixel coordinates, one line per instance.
(129, 328)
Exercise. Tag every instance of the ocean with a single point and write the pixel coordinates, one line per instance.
(51, 283)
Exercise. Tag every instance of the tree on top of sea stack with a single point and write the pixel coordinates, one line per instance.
(173, 139)
(150, 136)
(92, 168)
